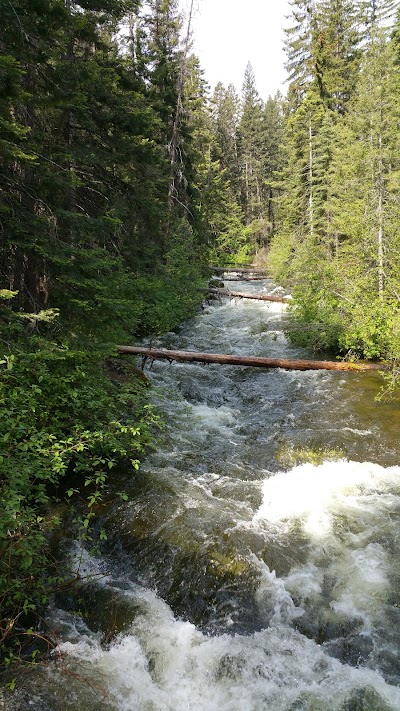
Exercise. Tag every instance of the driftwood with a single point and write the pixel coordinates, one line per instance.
(252, 361)
(239, 270)
(240, 295)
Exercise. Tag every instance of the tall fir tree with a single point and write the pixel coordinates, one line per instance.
(300, 50)
(225, 105)
(364, 182)
(337, 52)
(272, 159)
(250, 148)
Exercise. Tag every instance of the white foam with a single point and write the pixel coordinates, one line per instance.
(306, 582)
(342, 509)
(314, 494)
(215, 418)
(272, 592)
(86, 566)
(167, 664)
(362, 585)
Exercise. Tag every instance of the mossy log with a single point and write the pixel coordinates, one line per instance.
(242, 295)
(251, 361)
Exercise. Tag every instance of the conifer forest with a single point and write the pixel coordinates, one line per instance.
(123, 177)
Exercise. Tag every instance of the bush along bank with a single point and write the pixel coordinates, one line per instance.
(71, 415)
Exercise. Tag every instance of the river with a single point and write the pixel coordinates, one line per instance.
(255, 566)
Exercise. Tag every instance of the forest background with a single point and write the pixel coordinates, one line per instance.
(121, 180)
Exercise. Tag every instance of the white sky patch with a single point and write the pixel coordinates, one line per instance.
(229, 33)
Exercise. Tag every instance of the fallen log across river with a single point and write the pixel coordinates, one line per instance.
(239, 270)
(252, 361)
(245, 278)
(242, 295)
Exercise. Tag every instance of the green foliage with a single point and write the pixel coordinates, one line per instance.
(173, 293)
(371, 329)
(338, 245)
(231, 238)
(94, 252)
(247, 153)
(280, 258)
(225, 112)
(315, 314)
(85, 264)
(60, 415)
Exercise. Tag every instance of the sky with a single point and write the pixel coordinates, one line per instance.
(229, 33)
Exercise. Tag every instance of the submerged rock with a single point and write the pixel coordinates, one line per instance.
(308, 702)
(365, 699)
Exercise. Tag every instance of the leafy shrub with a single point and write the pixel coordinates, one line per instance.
(60, 416)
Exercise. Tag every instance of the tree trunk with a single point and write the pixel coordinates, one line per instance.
(252, 361)
(271, 211)
(242, 295)
(311, 180)
(245, 278)
(380, 211)
(241, 270)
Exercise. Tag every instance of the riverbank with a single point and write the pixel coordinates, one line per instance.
(72, 414)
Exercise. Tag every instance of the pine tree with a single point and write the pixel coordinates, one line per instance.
(29, 38)
(368, 155)
(225, 117)
(168, 71)
(374, 14)
(97, 132)
(300, 52)
(301, 203)
(340, 187)
(272, 159)
(327, 38)
(250, 148)
(337, 52)
(363, 209)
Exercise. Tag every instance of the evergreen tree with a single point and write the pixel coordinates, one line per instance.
(337, 52)
(89, 164)
(272, 163)
(166, 70)
(301, 202)
(250, 148)
(343, 255)
(375, 14)
(327, 37)
(364, 182)
(300, 50)
(396, 38)
(225, 117)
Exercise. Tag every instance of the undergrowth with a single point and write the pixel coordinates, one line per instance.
(68, 421)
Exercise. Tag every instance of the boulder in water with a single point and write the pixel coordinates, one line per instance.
(365, 699)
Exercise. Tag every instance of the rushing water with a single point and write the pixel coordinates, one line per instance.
(240, 576)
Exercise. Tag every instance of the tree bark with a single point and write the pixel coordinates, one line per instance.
(240, 295)
(252, 361)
